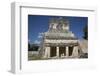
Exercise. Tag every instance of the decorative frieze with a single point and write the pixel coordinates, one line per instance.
(60, 41)
(61, 44)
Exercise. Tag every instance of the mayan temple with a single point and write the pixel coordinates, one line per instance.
(59, 41)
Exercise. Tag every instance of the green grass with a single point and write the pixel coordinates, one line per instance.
(35, 57)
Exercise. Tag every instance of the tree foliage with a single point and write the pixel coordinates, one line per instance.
(33, 47)
(85, 30)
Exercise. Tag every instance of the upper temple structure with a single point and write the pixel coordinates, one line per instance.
(59, 41)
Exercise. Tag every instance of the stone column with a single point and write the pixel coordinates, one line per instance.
(75, 51)
(67, 51)
(47, 52)
(57, 51)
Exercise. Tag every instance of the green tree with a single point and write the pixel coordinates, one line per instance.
(29, 46)
(85, 30)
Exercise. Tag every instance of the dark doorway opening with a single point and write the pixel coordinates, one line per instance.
(53, 51)
(62, 51)
(70, 50)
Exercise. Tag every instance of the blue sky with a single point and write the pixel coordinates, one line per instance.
(38, 24)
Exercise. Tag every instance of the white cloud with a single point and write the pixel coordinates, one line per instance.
(37, 42)
(40, 35)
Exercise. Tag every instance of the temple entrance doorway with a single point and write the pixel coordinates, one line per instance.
(70, 50)
(62, 51)
(52, 51)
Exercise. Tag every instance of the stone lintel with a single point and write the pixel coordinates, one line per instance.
(61, 44)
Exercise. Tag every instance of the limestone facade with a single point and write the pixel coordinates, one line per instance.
(59, 41)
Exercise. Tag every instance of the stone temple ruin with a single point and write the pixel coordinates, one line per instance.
(59, 41)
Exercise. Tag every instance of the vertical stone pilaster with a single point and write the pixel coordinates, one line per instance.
(75, 51)
(57, 49)
(67, 51)
(47, 52)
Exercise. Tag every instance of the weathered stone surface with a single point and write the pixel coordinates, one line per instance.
(83, 45)
(60, 41)
(60, 37)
